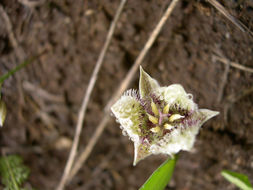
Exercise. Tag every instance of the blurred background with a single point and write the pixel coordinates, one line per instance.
(43, 99)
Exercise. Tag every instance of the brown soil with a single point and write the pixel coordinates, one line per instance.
(72, 33)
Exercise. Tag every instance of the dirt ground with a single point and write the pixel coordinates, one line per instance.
(43, 99)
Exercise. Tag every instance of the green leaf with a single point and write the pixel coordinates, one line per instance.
(13, 172)
(161, 177)
(238, 179)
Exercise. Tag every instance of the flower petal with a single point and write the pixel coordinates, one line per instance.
(183, 137)
(141, 151)
(146, 84)
(175, 141)
(175, 94)
(127, 110)
(206, 114)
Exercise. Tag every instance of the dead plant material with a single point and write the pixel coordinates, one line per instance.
(232, 99)
(86, 98)
(87, 150)
(232, 64)
(232, 19)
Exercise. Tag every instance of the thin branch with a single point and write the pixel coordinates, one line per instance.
(243, 93)
(223, 83)
(18, 50)
(232, 19)
(232, 64)
(86, 99)
(31, 4)
(86, 152)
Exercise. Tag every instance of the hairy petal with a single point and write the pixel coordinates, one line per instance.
(127, 110)
(183, 137)
(175, 141)
(141, 151)
(146, 84)
(206, 114)
(175, 94)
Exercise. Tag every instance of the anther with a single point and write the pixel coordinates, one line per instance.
(168, 126)
(175, 117)
(153, 119)
(155, 129)
(154, 109)
(166, 109)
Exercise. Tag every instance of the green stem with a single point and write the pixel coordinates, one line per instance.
(19, 67)
(11, 72)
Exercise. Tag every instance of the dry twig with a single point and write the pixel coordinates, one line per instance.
(232, 64)
(18, 50)
(31, 4)
(233, 98)
(223, 83)
(235, 21)
(86, 152)
(41, 93)
(86, 99)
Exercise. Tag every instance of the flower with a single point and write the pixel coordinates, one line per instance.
(159, 119)
(2, 112)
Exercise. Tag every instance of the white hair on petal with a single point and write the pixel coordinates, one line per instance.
(133, 93)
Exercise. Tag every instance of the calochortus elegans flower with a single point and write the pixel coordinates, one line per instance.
(159, 119)
(2, 112)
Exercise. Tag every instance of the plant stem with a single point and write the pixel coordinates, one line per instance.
(11, 72)
(20, 66)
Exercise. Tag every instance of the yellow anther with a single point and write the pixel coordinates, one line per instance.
(175, 117)
(166, 109)
(168, 126)
(154, 108)
(155, 129)
(153, 119)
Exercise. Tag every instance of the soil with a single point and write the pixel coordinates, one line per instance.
(44, 98)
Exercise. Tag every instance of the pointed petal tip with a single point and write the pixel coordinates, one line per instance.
(141, 151)
(208, 114)
(211, 113)
(146, 83)
(141, 71)
(137, 160)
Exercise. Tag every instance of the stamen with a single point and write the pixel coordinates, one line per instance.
(168, 126)
(154, 109)
(175, 117)
(166, 109)
(155, 129)
(153, 119)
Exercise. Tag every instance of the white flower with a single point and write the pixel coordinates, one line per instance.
(2, 112)
(159, 119)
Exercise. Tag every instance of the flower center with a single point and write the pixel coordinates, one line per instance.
(162, 116)
(162, 120)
